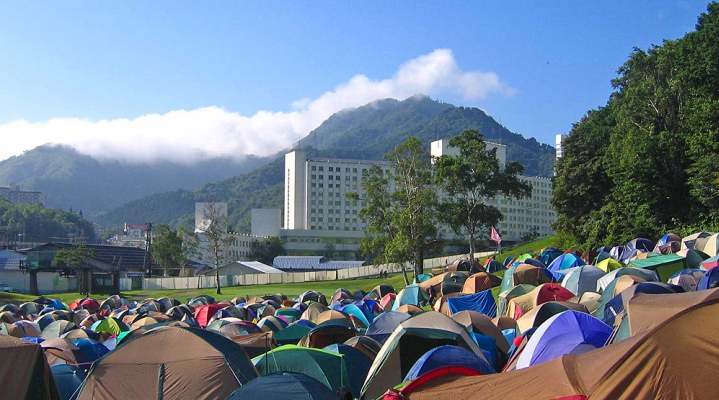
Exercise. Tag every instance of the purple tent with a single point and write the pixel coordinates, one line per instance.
(569, 332)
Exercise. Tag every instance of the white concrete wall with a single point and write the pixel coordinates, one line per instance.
(47, 282)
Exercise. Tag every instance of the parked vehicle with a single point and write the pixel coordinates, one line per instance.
(5, 288)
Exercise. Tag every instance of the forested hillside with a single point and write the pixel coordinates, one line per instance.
(30, 223)
(646, 163)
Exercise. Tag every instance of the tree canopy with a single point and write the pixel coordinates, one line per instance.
(469, 179)
(265, 251)
(645, 164)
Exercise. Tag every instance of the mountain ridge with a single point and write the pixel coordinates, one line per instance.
(365, 132)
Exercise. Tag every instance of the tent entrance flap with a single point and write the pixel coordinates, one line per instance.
(412, 347)
(160, 381)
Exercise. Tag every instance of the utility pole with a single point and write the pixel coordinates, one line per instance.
(147, 262)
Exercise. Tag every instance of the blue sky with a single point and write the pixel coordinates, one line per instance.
(147, 80)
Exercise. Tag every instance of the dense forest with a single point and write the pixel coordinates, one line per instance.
(368, 132)
(33, 223)
(646, 163)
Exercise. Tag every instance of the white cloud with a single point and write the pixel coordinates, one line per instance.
(185, 135)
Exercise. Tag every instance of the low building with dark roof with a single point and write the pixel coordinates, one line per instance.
(101, 272)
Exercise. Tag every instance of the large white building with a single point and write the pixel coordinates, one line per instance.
(317, 212)
(316, 192)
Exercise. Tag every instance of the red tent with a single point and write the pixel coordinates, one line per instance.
(204, 313)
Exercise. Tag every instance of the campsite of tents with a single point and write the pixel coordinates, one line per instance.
(636, 326)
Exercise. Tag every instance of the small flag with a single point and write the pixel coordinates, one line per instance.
(495, 236)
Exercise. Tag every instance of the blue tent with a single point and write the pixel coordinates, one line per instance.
(358, 363)
(57, 304)
(356, 312)
(709, 280)
(382, 327)
(408, 295)
(634, 246)
(489, 349)
(616, 252)
(646, 274)
(582, 279)
(549, 254)
(508, 260)
(531, 261)
(284, 385)
(569, 332)
(447, 356)
(563, 262)
(688, 279)
(68, 379)
(617, 304)
(91, 348)
(482, 302)
(508, 279)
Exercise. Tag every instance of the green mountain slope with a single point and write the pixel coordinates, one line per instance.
(367, 132)
(70, 179)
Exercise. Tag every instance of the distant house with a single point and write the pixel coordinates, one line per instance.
(312, 263)
(243, 268)
(101, 271)
(10, 269)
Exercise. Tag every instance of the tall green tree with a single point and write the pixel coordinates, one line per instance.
(189, 248)
(648, 159)
(215, 231)
(74, 258)
(403, 226)
(265, 251)
(582, 186)
(380, 210)
(469, 179)
(166, 247)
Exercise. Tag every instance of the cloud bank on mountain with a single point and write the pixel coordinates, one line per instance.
(187, 135)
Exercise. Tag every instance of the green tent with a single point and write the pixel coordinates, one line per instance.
(504, 297)
(110, 325)
(325, 366)
(292, 334)
(665, 265)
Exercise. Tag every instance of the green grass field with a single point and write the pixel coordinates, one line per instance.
(289, 289)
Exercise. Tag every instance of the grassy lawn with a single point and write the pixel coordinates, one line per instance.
(289, 289)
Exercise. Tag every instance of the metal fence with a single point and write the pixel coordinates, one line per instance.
(205, 282)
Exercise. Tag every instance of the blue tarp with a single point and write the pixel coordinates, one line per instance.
(482, 302)
(447, 356)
